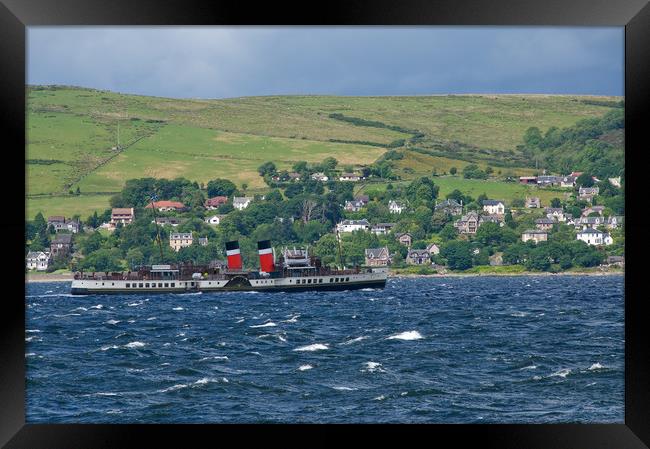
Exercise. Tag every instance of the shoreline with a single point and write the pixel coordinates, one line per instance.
(43, 278)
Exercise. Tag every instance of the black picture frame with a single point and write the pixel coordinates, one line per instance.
(16, 15)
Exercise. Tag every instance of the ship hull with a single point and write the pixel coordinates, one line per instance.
(235, 284)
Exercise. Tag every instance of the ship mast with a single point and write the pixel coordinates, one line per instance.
(155, 220)
(338, 242)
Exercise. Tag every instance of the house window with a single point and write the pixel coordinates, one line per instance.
(331, 279)
(160, 284)
(140, 285)
(173, 284)
(320, 281)
(146, 285)
(347, 279)
(128, 285)
(167, 284)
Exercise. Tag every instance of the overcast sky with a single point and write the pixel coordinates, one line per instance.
(221, 62)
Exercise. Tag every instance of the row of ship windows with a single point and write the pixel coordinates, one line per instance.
(151, 285)
(320, 281)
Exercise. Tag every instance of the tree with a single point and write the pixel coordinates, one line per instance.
(329, 163)
(267, 168)
(221, 187)
(293, 190)
(585, 180)
(453, 171)
(555, 202)
(448, 232)
(458, 254)
(489, 234)
(134, 258)
(532, 137)
(538, 259)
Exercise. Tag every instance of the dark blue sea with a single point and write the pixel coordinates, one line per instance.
(534, 349)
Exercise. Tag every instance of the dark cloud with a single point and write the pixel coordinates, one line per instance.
(216, 62)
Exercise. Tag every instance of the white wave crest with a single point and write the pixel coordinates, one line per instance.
(152, 318)
(596, 366)
(269, 324)
(178, 308)
(354, 340)
(314, 347)
(373, 367)
(135, 344)
(112, 322)
(106, 348)
(519, 314)
(561, 373)
(409, 335)
(529, 367)
(305, 367)
(379, 398)
(98, 307)
(293, 319)
(344, 388)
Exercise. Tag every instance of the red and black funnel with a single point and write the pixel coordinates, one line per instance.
(266, 256)
(234, 255)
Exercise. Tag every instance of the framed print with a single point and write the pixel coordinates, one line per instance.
(402, 214)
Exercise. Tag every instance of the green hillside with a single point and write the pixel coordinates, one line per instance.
(72, 137)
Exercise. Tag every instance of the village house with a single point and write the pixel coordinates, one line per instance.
(615, 260)
(534, 234)
(449, 207)
(353, 225)
(533, 202)
(544, 224)
(241, 202)
(294, 177)
(365, 199)
(591, 209)
(377, 257)
(469, 223)
(124, 215)
(382, 228)
(59, 223)
(418, 257)
(350, 177)
(614, 221)
(587, 193)
(353, 206)
(498, 219)
(61, 246)
(178, 240)
(405, 239)
(555, 213)
(528, 179)
(594, 237)
(395, 207)
(616, 182)
(203, 241)
(590, 222)
(38, 260)
(166, 206)
(547, 180)
(494, 207)
(568, 181)
(319, 177)
(215, 202)
(214, 219)
(433, 249)
(170, 221)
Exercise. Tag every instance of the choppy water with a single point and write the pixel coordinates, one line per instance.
(440, 350)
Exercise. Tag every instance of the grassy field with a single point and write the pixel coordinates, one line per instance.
(72, 131)
(203, 154)
(506, 191)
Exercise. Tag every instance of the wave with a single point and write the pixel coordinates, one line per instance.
(33, 330)
(80, 309)
(379, 398)
(269, 324)
(596, 366)
(409, 335)
(354, 340)
(293, 319)
(178, 308)
(564, 372)
(344, 388)
(305, 367)
(216, 357)
(152, 318)
(373, 367)
(106, 348)
(98, 307)
(529, 367)
(519, 314)
(135, 344)
(113, 322)
(314, 347)
(198, 383)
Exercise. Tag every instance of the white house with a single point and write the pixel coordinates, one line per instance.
(214, 219)
(38, 260)
(433, 249)
(616, 182)
(319, 177)
(534, 234)
(494, 207)
(350, 177)
(594, 237)
(555, 213)
(241, 202)
(395, 208)
(382, 228)
(178, 240)
(353, 225)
